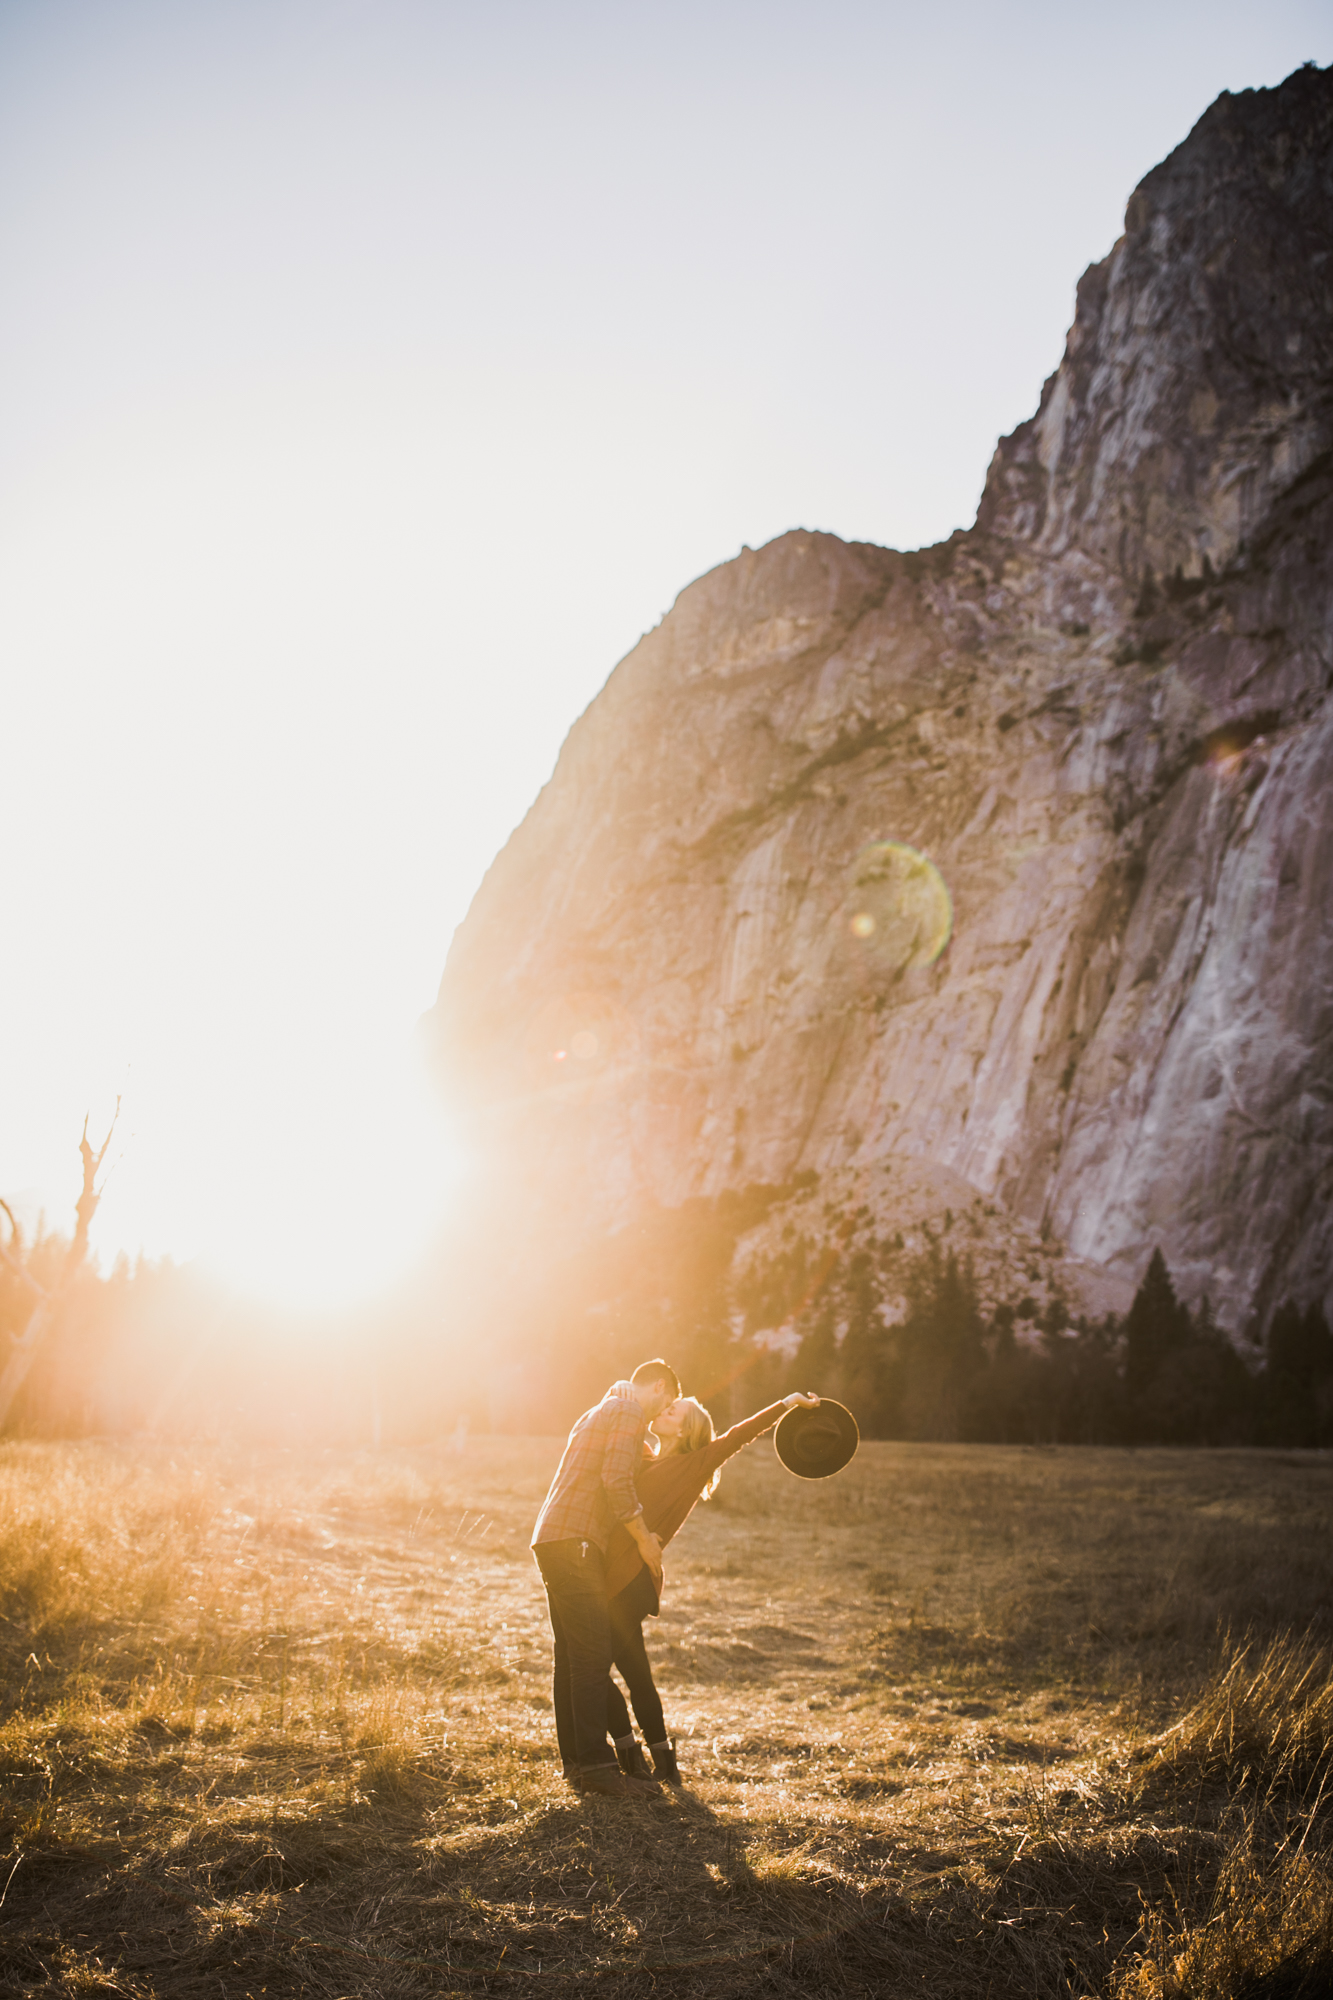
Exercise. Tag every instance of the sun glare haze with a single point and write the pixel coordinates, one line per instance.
(370, 379)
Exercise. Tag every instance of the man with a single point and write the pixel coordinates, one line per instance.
(593, 1488)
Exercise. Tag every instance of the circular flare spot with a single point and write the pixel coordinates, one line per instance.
(579, 1029)
(901, 909)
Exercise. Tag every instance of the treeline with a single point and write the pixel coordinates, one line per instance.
(827, 1312)
(1162, 1375)
(898, 1332)
(158, 1349)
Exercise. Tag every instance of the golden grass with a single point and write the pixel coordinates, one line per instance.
(964, 1721)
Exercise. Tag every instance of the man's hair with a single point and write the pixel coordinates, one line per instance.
(649, 1372)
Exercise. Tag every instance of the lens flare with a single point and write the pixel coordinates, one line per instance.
(898, 905)
(583, 1031)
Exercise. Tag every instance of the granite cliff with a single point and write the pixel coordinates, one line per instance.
(715, 952)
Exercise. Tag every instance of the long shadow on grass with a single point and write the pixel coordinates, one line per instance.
(417, 1889)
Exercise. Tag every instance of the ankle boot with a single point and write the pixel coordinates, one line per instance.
(665, 1766)
(632, 1761)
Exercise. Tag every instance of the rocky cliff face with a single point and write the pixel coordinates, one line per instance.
(1103, 715)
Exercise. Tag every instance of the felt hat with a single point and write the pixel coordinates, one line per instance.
(813, 1443)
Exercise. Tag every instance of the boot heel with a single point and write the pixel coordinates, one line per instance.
(666, 1767)
(633, 1762)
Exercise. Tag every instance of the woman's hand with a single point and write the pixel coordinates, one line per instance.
(649, 1546)
(797, 1398)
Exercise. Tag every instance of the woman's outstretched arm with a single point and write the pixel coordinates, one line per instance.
(669, 1486)
(730, 1442)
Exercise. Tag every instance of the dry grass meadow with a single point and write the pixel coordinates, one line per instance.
(963, 1721)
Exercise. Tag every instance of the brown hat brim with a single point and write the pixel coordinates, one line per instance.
(816, 1443)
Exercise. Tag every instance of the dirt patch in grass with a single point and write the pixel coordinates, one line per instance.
(963, 1721)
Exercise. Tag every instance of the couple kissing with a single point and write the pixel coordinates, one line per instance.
(632, 1469)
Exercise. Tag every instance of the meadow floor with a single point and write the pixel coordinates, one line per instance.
(963, 1721)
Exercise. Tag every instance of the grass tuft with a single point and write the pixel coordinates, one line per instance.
(1265, 1719)
(1259, 1922)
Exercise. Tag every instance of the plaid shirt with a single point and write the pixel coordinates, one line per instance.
(594, 1482)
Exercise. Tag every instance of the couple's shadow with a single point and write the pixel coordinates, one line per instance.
(673, 1838)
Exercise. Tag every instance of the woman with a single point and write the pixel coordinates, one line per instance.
(687, 1468)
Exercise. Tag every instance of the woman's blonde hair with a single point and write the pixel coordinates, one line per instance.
(696, 1431)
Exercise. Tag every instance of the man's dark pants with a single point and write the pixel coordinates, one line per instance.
(575, 1577)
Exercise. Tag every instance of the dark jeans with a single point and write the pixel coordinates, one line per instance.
(575, 1579)
(628, 1609)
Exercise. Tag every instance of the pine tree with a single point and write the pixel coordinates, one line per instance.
(1156, 1326)
(868, 1376)
(1300, 1345)
(1298, 1378)
(941, 1347)
(1202, 1393)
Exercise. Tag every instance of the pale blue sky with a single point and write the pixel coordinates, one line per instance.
(371, 375)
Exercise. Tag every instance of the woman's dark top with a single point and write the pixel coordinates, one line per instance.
(668, 1487)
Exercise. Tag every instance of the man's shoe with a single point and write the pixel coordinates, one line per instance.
(665, 1765)
(634, 1764)
(572, 1776)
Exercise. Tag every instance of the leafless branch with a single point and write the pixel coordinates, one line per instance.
(23, 1346)
(85, 1208)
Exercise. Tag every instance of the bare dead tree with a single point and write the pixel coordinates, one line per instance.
(23, 1346)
